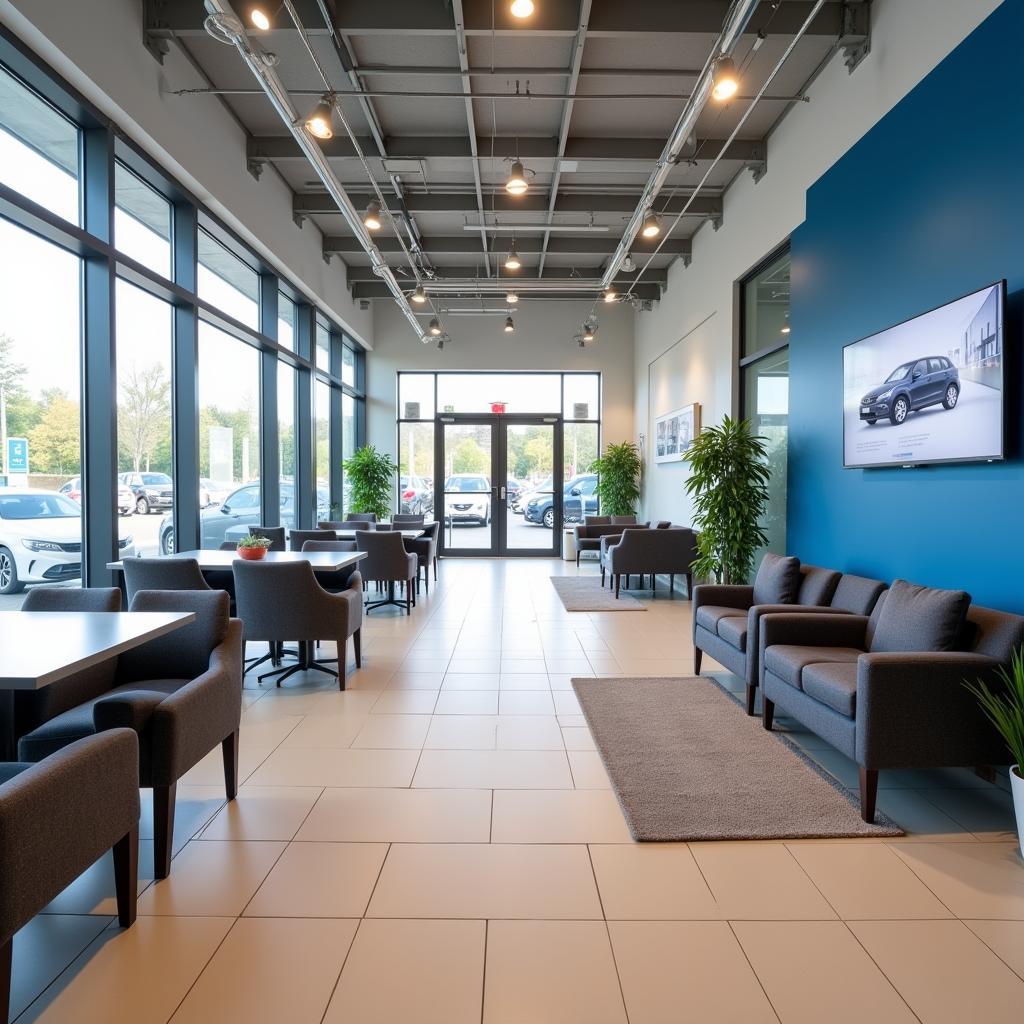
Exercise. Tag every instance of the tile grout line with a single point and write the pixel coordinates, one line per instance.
(607, 931)
(880, 969)
(757, 977)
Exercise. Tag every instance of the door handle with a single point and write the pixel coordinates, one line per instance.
(503, 494)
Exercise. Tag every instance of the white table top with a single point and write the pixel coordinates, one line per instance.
(40, 648)
(326, 561)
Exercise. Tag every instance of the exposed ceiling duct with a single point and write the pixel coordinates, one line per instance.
(225, 25)
(735, 22)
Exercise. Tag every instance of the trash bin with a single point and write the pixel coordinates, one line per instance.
(569, 544)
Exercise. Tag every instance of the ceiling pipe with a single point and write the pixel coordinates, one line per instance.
(230, 28)
(735, 22)
(455, 286)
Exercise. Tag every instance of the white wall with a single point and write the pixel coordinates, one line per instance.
(97, 46)
(542, 341)
(684, 348)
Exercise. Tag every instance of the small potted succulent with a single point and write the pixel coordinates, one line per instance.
(253, 548)
(1004, 707)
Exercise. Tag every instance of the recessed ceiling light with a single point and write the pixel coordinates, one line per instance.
(724, 82)
(521, 8)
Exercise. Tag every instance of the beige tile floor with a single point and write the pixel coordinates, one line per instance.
(440, 844)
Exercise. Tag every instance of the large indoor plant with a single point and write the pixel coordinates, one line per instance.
(1004, 707)
(370, 475)
(729, 487)
(618, 480)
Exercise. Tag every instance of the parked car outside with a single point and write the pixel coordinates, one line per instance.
(528, 491)
(932, 380)
(125, 498)
(41, 539)
(578, 497)
(473, 501)
(154, 492)
(414, 495)
(213, 492)
(239, 511)
(512, 491)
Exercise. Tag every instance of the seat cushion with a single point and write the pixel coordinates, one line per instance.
(733, 630)
(915, 618)
(834, 684)
(787, 661)
(78, 721)
(589, 544)
(709, 615)
(777, 580)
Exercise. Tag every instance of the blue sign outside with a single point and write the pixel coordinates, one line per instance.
(17, 455)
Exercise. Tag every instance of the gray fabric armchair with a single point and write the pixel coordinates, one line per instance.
(275, 534)
(297, 538)
(162, 574)
(332, 581)
(644, 551)
(362, 517)
(407, 520)
(181, 694)
(424, 548)
(589, 533)
(888, 690)
(56, 818)
(388, 562)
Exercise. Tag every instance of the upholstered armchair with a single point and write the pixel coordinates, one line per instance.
(56, 818)
(424, 548)
(180, 693)
(589, 533)
(641, 551)
(388, 562)
(162, 574)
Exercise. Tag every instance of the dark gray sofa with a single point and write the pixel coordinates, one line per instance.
(888, 690)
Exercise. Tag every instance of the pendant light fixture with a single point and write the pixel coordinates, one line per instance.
(419, 296)
(521, 8)
(588, 331)
(512, 298)
(371, 219)
(319, 123)
(517, 184)
(610, 295)
(512, 260)
(435, 326)
(652, 226)
(724, 81)
(509, 325)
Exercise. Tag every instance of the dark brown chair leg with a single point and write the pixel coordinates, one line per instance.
(689, 585)
(577, 558)
(697, 655)
(342, 663)
(6, 952)
(671, 584)
(868, 793)
(602, 575)
(357, 643)
(767, 712)
(751, 698)
(618, 581)
(126, 876)
(408, 602)
(229, 748)
(163, 828)
(435, 568)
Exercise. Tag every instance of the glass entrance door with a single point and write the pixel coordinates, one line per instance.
(498, 485)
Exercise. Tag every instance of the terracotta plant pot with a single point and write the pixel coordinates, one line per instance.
(252, 554)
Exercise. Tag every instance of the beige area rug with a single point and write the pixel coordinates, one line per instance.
(585, 594)
(688, 763)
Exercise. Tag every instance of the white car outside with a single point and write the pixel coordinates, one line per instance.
(41, 539)
(468, 498)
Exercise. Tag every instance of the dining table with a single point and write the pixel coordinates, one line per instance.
(38, 649)
(211, 559)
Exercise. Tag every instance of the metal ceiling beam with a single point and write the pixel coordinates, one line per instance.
(553, 17)
(307, 203)
(563, 131)
(362, 275)
(589, 245)
(425, 147)
(371, 290)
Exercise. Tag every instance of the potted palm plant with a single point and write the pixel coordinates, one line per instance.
(1004, 708)
(729, 487)
(618, 481)
(253, 548)
(370, 475)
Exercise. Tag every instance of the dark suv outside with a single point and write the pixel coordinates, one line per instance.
(933, 380)
(578, 497)
(154, 492)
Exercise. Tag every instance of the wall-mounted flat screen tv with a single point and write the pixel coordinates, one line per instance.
(929, 389)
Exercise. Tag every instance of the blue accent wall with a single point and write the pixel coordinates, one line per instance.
(926, 207)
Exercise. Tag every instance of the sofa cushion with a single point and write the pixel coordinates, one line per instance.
(916, 618)
(777, 580)
(733, 630)
(597, 520)
(709, 615)
(857, 595)
(788, 661)
(833, 683)
(817, 585)
(623, 520)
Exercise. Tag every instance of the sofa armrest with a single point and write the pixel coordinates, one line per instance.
(723, 595)
(130, 710)
(914, 709)
(835, 630)
(58, 816)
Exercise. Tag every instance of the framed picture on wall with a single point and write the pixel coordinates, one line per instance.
(674, 432)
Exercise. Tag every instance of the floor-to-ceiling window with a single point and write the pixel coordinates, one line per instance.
(764, 378)
(322, 396)
(286, 440)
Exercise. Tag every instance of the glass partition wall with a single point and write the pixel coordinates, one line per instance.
(161, 387)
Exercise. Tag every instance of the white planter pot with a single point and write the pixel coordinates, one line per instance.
(1017, 788)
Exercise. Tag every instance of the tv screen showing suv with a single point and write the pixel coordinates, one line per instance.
(929, 389)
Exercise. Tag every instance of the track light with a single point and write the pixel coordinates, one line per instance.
(511, 298)
(521, 8)
(512, 261)
(588, 332)
(435, 326)
(652, 226)
(724, 83)
(785, 326)
(509, 325)
(516, 184)
(610, 295)
(419, 296)
(259, 17)
(627, 264)
(318, 124)
(372, 216)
